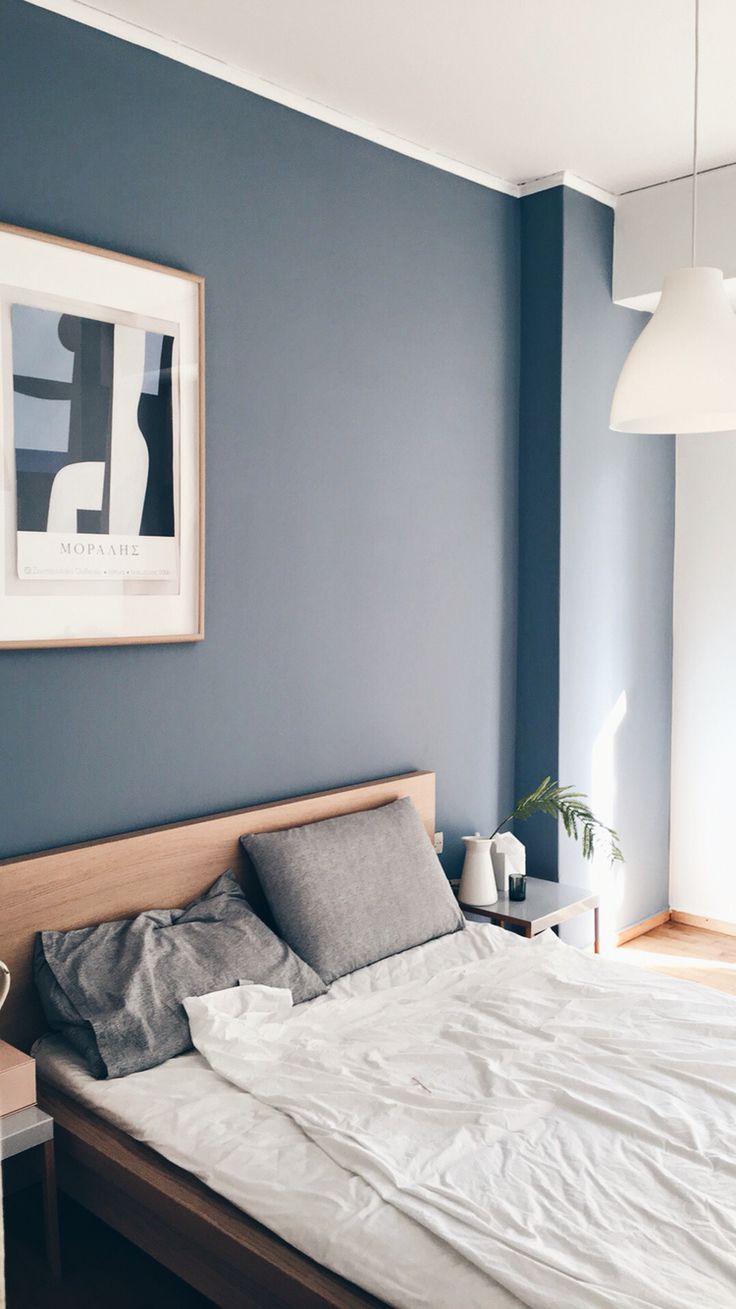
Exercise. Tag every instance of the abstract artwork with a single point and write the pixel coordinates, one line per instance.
(102, 416)
(94, 447)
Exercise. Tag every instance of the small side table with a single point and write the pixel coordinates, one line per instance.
(547, 904)
(24, 1130)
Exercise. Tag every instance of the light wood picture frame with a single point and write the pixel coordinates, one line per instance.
(101, 446)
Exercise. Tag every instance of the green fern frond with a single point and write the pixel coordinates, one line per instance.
(572, 808)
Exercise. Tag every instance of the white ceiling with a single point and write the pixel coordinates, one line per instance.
(516, 88)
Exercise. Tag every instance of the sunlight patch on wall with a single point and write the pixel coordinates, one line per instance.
(609, 881)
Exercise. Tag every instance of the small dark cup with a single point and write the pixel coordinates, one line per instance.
(517, 886)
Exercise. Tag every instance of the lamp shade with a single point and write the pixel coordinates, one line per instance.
(680, 375)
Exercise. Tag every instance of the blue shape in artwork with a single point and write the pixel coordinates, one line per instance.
(152, 363)
(37, 350)
(40, 461)
(40, 424)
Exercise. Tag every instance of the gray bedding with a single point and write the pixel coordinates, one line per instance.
(115, 991)
(348, 891)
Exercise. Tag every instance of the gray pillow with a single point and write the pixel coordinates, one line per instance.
(348, 891)
(115, 991)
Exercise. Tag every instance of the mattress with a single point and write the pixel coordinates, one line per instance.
(261, 1161)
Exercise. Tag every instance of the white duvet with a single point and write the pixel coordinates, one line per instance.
(564, 1124)
(260, 1159)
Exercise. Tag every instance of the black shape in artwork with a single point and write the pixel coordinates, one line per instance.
(33, 494)
(42, 388)
(88, 521)
(90, 418)
(155, 419)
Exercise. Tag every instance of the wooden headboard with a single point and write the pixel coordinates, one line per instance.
(158, 868)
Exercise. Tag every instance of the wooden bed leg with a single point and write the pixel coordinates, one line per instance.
(51, 1209)
(596, 930)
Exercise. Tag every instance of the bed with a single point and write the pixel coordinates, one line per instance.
(259, 1160)
(479, 1120)
(232, 1259)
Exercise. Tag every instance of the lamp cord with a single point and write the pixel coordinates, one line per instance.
(694, 216)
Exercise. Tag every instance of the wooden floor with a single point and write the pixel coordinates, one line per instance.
(688, 952)
(102, 1271)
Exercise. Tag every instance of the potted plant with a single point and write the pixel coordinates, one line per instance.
(478, 883)
(578, 819)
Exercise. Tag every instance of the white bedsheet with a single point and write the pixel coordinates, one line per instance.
(261, 1160)
(566, 1124)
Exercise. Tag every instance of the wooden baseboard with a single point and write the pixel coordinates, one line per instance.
(707, 924)
(640, 929)
(675, 916)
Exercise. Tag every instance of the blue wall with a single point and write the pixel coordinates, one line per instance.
(362, 397)
(367, 320)
(616, 561)
(537, 688)
(596, 523)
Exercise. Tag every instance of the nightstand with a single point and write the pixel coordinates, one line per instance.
(25, 1129)
(547, 904)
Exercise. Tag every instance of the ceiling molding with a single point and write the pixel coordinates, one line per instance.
(133, 33)
(574, 183)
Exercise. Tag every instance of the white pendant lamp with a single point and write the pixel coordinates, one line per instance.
(680, 375)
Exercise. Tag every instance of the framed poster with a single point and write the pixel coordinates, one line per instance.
(102, 439)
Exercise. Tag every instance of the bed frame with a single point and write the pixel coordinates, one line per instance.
(205, 1240)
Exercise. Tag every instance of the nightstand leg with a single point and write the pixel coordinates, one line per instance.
(50, 1209)
(528, 930)
(596, 930)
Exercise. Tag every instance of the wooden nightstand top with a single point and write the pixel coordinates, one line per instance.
(547, 904)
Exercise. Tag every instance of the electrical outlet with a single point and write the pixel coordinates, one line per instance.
(439, 842)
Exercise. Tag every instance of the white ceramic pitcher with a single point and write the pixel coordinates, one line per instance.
(478, 883)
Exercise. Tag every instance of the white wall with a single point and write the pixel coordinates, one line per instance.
(652, 235)
(703, 823)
